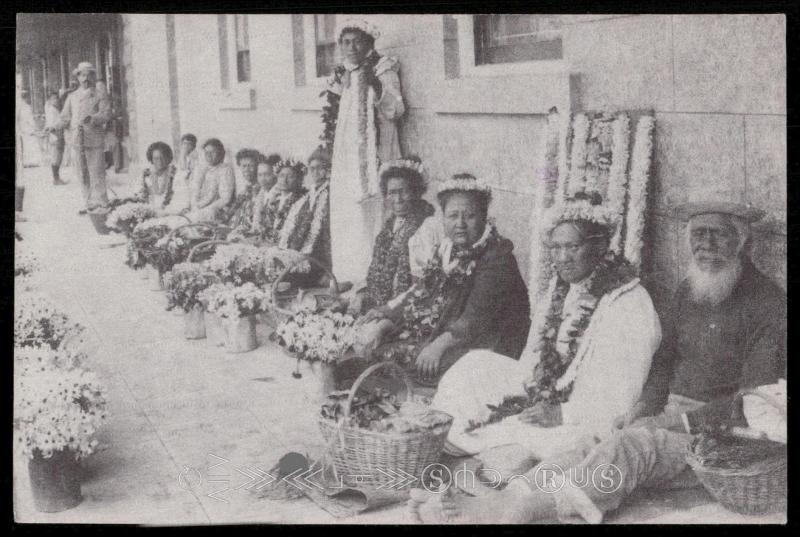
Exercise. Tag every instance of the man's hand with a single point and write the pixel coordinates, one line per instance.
(543, 414)
(638, 411)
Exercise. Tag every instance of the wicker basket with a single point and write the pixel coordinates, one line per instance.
(377, 459)
(279, 306)
(756, 490)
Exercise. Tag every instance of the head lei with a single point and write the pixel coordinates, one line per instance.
(459, 183)
(581, 207)
(359, 24)
(296, 165)
(403, 163)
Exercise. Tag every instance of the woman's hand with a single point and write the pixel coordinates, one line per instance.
(543, 414)
(375, 314)
(428, 361)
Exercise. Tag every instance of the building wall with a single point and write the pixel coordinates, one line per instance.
(715, 82)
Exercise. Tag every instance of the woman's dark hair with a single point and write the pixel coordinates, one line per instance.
(272, 160)
(191, 138)
(247, 154)
(216, 143)
(364, 35)
(482, 199)
(415, 181)
(166, 151)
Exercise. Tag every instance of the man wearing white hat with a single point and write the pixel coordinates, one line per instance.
(367, 90)
(86, 112)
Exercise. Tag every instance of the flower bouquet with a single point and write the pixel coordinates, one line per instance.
(30, 360)
(241, 263)
(37, 322)
(237, 306)
(321, 336)
(141, 248)
(127, 216)
(57, 413)
(184, 283)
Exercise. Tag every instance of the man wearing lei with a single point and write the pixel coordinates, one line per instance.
(592, 351)
(365, 102)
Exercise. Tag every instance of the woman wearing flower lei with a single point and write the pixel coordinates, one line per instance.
(307, 228)
(471, 294)
(592, 352)
(156, 186)
(288, 190)
(239, 214)
(364, 103)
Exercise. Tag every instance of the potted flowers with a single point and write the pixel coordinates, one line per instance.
(237, 306)
(142, 242)
(25, 264)
(59, 406)
(184, 283)
(320, 338)
(39, 323)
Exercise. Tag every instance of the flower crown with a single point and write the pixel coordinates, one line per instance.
(583, 206)
(403, 163)
(296, 165)
(360, 24)
(465, 185)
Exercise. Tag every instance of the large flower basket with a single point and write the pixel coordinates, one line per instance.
(280, 306)
(757, 489)
(55, 481)
(194, 325)
(240, 334)
(374, 456)
(19, 196)
(215, 333)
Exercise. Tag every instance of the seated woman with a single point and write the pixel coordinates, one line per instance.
(592, 353)
(471, 294)
(287, 191)
(186, 160)
(156, 185)
(214, 185)
(403, 184)
(307, 228)
(239, 214)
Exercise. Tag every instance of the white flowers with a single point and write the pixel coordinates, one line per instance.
(56, 408)
(128, 215)
(322, 336)
(185, 282)
(38, 322)
(232, 302)
(240, 263)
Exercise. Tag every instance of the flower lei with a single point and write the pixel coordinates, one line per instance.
(389, 272)
(305, 221)
(144, 194)
(330, 111)
(548, 382)
(240, 212)
(275, 213)
(637, 189)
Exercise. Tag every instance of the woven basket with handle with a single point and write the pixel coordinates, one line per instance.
(758, 489)
(377, 459)
(280, 302)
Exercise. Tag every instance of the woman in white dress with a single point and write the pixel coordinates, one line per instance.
(366, 90)
(214, 186)
(594, 344)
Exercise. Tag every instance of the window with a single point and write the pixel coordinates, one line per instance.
(325, 44)
(517, 38)
(242, 49)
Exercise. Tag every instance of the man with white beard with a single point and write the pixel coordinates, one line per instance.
(724, 331)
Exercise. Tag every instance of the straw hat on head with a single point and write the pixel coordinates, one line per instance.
(744, 211)
(84, 66)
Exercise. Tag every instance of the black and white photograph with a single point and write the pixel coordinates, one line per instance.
(406, 269)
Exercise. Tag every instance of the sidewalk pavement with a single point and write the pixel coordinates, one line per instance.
(188, 423)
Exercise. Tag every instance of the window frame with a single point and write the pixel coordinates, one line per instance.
(237, 95)
(467, 59)
(310, 52)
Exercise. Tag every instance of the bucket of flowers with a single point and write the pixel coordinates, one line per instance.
(184, 283)
(320, 338)
(127, 216)
(141, 248)
(237, 306)
(59, 406)
(39, 323)
(367, 433)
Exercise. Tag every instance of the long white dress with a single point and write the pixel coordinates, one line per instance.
(614, 357)
(356, 204)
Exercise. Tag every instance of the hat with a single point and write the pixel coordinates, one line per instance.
(84, 66)
(360, 24)
(743, 211)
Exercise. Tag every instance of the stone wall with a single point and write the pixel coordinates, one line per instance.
(716, 83)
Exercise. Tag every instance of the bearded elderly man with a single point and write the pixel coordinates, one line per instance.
(724, 331)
